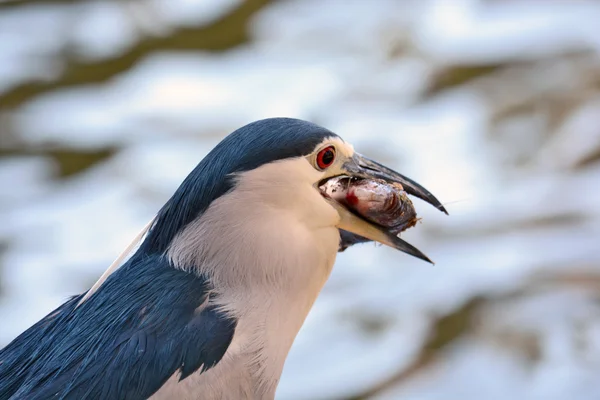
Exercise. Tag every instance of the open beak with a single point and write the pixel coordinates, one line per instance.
(361, 167)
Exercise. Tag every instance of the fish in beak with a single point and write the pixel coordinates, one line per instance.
(359, 167)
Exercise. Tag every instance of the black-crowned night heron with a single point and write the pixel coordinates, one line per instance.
(210, 302)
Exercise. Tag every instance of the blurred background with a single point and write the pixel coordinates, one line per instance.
(494, 106)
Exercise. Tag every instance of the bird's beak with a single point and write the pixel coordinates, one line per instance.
(361, 167)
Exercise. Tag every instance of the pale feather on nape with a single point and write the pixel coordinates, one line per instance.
(118, 261)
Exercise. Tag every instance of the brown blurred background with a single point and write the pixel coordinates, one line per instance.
(493, 105)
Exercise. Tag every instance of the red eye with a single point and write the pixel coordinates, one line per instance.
(326, 157)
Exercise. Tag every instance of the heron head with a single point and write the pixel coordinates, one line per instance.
(281, 162)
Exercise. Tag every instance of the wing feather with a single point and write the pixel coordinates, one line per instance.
(146, 322)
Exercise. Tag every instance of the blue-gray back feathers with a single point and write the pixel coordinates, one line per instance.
(146, 322)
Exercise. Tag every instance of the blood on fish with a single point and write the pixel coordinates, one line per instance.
(351, 198)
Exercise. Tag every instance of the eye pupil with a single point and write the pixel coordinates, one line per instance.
(326, 157)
